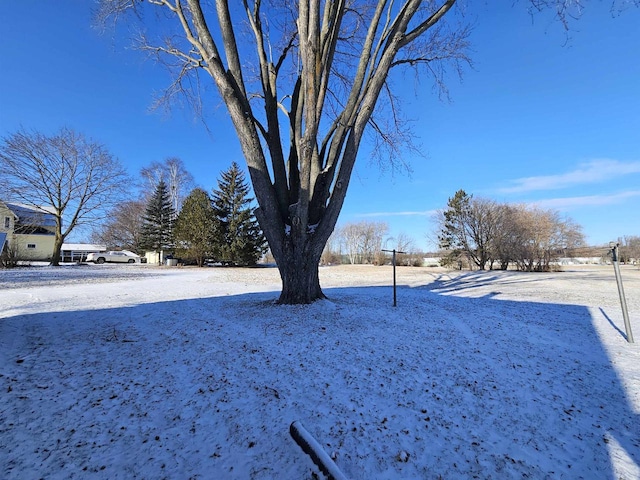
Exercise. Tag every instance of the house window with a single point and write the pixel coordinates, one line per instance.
(31, 245)
(7, 222)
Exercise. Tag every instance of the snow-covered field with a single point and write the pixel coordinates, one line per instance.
(123, 372)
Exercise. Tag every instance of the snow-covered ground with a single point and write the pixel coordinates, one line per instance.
(122, 372)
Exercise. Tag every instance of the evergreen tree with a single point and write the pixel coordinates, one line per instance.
(242, 239)
(197, 230)
(453, 235)
(157, 226)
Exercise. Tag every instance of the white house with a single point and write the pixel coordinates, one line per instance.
(26, 232)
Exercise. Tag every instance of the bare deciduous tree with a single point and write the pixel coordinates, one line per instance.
(332, 254)
(630, 248)
(509, 237)
(67, 175)
(373, 234)
(363, 241)
(122, 227)
(351, 238)
(301, 85)
(410, 254)
(485, 231)
(321, 67)
(545, 236)
(469, 226)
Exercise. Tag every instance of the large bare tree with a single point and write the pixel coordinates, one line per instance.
(300, 95)
(67, 175)
(301, 80)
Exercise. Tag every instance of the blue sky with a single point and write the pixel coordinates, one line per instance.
(538, 119)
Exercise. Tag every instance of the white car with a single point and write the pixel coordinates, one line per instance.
(123, 256)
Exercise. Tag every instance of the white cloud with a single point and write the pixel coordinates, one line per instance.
(586, 201)
(591, 172)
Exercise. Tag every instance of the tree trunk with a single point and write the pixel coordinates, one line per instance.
(57, 246)
(298, 264)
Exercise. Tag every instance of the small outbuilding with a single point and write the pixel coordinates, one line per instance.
(77, 252)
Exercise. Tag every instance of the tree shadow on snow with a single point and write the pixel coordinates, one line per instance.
(444, 283)
(482, 387)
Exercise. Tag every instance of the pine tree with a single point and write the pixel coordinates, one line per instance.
(242, 239)
(157, 227)
(197, 230)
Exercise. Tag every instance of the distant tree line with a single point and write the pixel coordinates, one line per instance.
(365, 242)
(79, 183)
(488, 234)
(630, 249)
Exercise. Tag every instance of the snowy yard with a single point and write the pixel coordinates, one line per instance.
(122, 372)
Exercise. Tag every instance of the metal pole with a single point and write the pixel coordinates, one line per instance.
(395, 303)
(393, 261)
(311, 447)
(623, 300)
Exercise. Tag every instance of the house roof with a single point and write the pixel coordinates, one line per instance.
(30, 215)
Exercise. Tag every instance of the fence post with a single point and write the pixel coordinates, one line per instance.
(623, 300)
